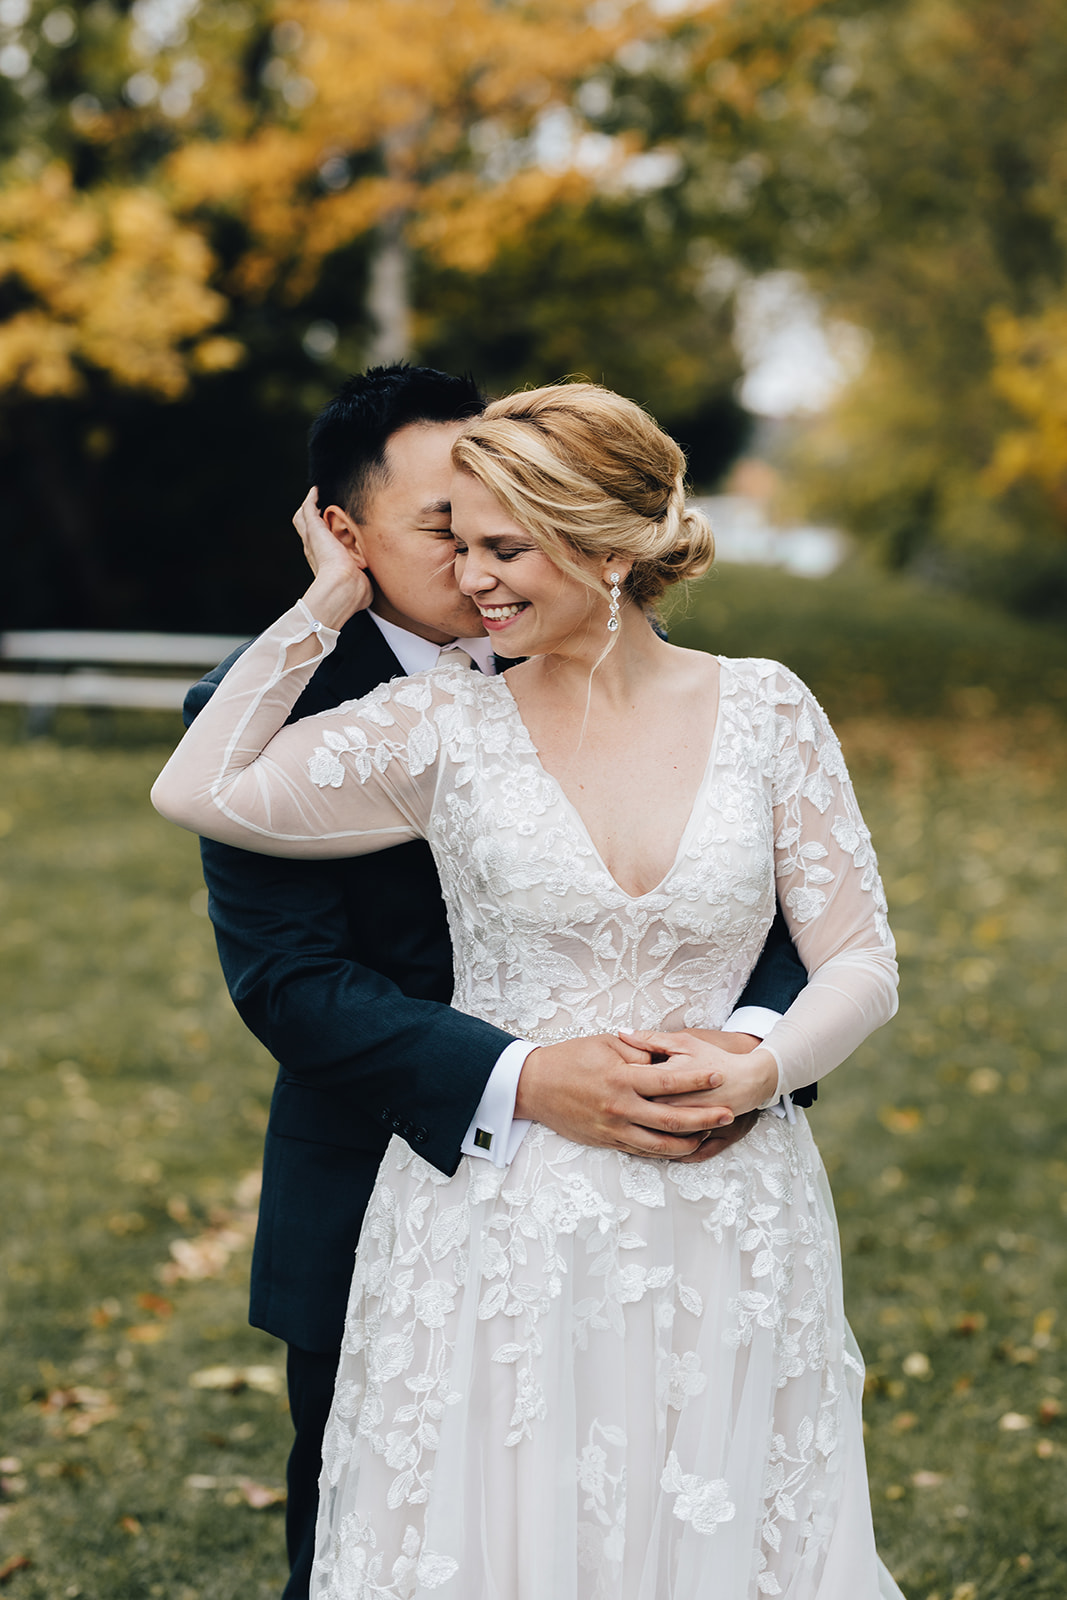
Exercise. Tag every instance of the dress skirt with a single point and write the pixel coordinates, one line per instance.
(594, 1376)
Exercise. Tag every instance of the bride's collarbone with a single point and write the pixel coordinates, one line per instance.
(632, 766)
(634, 795)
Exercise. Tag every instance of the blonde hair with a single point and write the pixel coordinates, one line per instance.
(587, 473)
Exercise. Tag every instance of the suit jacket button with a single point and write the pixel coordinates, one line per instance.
(421, 1135)
(398, 1124)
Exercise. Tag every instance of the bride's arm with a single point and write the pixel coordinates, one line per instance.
(241, 776)
(831, 895)
(835, 909)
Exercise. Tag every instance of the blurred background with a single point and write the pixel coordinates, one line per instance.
(831, 235)
(826, 245)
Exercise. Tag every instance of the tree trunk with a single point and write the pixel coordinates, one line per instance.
(389, 294)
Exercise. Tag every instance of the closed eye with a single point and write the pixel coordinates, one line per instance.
(497, 552)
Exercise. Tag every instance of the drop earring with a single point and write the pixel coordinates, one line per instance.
(613, 616)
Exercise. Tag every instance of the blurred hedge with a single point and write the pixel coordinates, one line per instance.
(870, 642)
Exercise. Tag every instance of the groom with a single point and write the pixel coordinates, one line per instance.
(343, 969)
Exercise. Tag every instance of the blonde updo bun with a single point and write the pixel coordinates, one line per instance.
(590, 474)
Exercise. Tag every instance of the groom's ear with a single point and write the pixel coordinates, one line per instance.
(345, 530)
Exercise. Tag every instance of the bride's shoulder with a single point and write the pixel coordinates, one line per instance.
(769, 680)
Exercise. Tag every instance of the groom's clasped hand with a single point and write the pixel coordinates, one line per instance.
(607, 1091)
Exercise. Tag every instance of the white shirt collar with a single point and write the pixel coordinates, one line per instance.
(416, 654)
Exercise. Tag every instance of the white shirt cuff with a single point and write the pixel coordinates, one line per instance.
(758, 1020)
(495, 1132)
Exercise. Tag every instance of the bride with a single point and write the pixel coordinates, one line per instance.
(591, 1375)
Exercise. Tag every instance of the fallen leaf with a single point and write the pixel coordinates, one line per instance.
(10, 1463)
(928, 1480)
(87, 1408)
(231, 1378)
(195, 1259)
(248, 1188)
(201, 1481)
(976, 972)
(124, 1222)
(12, 1565)
(207, 1255)
(158, 1305)
(917, 1365)
(903, 1422)
(1047, 1412)
(984, 1080)
(258, 1495)
(1043, 1324)
(130, 1525)
(970, 1322)
(270, 1380)
(901, 1119)
(145, 1332)
(1013, 1422)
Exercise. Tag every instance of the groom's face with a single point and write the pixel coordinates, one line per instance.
(406, 537)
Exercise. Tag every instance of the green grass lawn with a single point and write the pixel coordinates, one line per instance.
(143, 1423)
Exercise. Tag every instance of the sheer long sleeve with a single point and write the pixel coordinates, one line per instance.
(242, 777)
(829, 890)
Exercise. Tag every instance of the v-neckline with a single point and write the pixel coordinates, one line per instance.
(690, 822)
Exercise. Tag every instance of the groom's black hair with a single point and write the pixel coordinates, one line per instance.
(346, 446)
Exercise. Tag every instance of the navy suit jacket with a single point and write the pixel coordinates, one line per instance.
(343, 970)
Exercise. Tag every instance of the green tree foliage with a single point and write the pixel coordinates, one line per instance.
(908, 157)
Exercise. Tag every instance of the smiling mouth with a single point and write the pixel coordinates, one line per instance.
(503, 613)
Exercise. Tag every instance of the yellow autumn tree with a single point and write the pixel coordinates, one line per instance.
(1030, 372)
(112, 281)
(415, 122)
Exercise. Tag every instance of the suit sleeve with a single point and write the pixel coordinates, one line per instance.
(777, 979)
(283, 934)
(779, 974)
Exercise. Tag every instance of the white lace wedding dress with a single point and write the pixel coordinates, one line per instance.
(590, 1376)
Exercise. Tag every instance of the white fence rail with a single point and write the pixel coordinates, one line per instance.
(93, 667)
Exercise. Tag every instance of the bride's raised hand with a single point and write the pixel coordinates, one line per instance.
(749, 1077)
(342, 584)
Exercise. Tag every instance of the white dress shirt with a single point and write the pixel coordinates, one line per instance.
(495, 1132)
